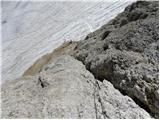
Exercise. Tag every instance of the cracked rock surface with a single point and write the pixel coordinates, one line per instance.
(125, 52)
(65, 89)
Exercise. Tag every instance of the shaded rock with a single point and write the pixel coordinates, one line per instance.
(115, 106)
(137, 14)
(128, 56)
(70, 92)
(123, 22)
(105, 34)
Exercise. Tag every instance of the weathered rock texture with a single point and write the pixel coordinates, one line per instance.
(125, 52)
(65, 89)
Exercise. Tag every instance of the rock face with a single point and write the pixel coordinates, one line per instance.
(65, 89)
(125, 52)
(119, 78)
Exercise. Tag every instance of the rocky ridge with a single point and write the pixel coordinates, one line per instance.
(119, 78)
(65, 89)
(125, 52)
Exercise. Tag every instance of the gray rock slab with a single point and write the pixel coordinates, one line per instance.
(65, 89)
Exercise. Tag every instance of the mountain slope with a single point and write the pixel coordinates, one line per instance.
(118, 77)
(125, 52)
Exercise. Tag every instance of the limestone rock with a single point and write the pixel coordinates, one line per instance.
(114, 105)
(65, 89)
(125, 52)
